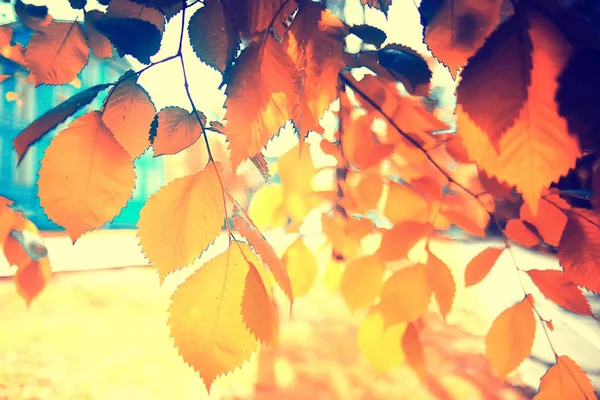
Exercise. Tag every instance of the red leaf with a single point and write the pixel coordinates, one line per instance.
(481, 265)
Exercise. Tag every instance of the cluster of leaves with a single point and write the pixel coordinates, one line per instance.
(397, 172)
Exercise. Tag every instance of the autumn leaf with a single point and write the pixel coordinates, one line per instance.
(56, 53)
(380, 344)
(32, 16)
(212, 35)
(405, 204)
(128, 113)
(565, 380)
(481, 265)
(362, 281)
(517, 231)
(360, 145)
(260, 98)
(31, 278)
(258, 310)
(510, 338)
(383, 5)
(538, 148)
(413, 350)
(314, 43)
(50, 119)
(397, 242)
(267, 254)
(301, 267)
(550, 221)
(562, 291)
(252, 17)
(177, 130)
(99, 44)
(205, 316)
(136, 10)
(267, 207)
(442, 283)
(493, 85)
(85, 176)
(405, 295)
(181, 220)
(579, 248)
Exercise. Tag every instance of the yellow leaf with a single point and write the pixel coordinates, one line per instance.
(177, 130)
(128, 114)
(205, 316)
(510, 337)
(362, 282)
(381, 346)
(86, 177)
(301, 266)
(258, 310)
(333, 275)
(267, 209)
(178, 222)
(260, 97)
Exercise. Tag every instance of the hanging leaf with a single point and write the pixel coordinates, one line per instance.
(301, 267)
(128, 113)
(383, 5)
(362, 281)
(82, 199)
(494, 85)
(135, 10)
(510, 338)
(369, 34)
(56, 53)
(32, 16)
(50, 119)
(481, 265)
(517, 231)
(442, 283)
(205, 316)
(360, 145)
(565, 380)
(413, 350)
(405, 204)
(258, 310)
(177, 130)
(579, 248)
(397, 242)
(380, 344)
(405, 65)
(181, 220)
(314, 43)
(140, 39)
(562, 291)
(212, 36)
(100, 45)
(266, 253)
(550, 221)
(31, 278)
(260, 95)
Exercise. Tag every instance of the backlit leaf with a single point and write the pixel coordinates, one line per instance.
(177, 130)
(258, 310)
(561, 290)
(128, 114)
(441, 282)
(565, 381)
(481, 265)
(86, 177)
(50, 119)
(32, 278)
(550, 221)
(56, 53)
(380, 345)
(212, 36)
(397, 242)
(260, 98)
(362, 281)
(181, 220)
(360, 145)
(405, 204)
(413, 350)
(267, 208)
(517, 231)
(301, 267)
(205, 316)
(510, 338)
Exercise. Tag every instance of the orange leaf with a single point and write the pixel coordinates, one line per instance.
(56, 53)
(31, 278)
(177, 130)
(579, 248)
(538, 148)
(315, 45)
(205, 315)
(397, 242)
(562, 291)
(517, 231)
(362, 281)
(481, 265)
(413, 350)
(301, 267)
(441, 282)
(258, 310)
(86, 177)
(360, 144)
(266, 253)
(550, 221)
(173, 228)
(261, 91)
(510, 338)
(405, 295)
(565, 381)
(128, 114)
(404, 204)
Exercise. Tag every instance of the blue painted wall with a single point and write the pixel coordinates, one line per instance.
(20, 184)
